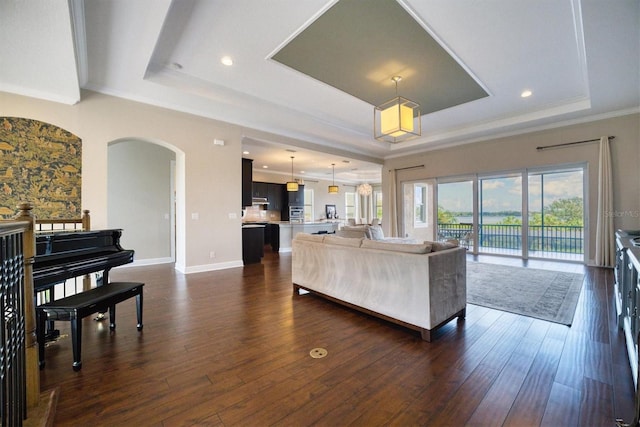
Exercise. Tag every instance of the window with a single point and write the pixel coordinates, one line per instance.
(350, 205)
(420, 205)
(417, 210)
(532, 213)
(377, 197)
(308, 205)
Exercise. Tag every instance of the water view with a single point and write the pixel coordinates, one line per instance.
(555, 216)
(485, 219)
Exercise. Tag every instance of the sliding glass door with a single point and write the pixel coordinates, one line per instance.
(556, 214)
(500, 214)
(536, 213)
(456, 213)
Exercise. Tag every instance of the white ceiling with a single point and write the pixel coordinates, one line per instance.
(581, 59)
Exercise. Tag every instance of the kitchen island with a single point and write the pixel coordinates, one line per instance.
(252, 243)
(283, 232)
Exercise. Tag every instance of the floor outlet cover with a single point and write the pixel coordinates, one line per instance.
(318, 353)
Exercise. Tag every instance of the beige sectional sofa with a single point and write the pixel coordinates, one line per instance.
(420, 286)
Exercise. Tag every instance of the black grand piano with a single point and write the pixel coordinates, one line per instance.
(65, 255)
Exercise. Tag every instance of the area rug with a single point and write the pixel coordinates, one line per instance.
(543, 294)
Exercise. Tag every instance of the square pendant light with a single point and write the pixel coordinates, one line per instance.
(397, 120)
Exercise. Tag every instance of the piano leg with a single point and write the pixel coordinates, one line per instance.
(102, 278)
(112, 317)
(51, 333)
(139, 310)
(76, 341)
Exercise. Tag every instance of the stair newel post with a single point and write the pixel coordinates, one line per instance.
(86, 220)
(31, 343)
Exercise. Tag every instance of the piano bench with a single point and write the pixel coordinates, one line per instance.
(75, 307)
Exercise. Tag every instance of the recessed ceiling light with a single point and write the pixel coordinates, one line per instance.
(526, 93)
(245, 152)
(226, 60)
(265, 167)
(301, 171)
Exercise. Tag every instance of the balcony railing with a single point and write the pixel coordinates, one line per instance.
(556, 239)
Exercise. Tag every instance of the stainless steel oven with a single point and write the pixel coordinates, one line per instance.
(296, 214)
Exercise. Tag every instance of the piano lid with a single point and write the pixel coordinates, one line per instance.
(61, 256)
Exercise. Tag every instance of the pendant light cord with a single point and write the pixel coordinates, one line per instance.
(291, 168)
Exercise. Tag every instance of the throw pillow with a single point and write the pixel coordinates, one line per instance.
(375, 231)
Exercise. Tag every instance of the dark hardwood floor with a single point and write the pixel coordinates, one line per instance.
(232, 347)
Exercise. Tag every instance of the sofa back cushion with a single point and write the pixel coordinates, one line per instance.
(412, 248)
(343, 241)
(441, 246)
(319, 238)
(357, 234)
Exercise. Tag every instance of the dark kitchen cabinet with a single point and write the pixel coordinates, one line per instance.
(260, 189)
(274, 194)
(252, 244)
(275, 237)
(247, 180)
(296, 198)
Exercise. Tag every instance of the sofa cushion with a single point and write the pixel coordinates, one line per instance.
(412, 248)
(354, 234)
(343, 241)
(441, 246)
(310, 237)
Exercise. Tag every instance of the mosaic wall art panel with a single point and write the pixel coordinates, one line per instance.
(41, 164)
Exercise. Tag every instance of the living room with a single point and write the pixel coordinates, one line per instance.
(208, 177)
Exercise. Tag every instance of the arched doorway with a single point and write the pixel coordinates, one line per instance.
(145, 197)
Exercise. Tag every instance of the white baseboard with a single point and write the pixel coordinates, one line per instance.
(149, 261)
(212, 267)
(185, 270)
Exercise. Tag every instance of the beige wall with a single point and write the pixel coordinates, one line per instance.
(208, 176)
(519, 152)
